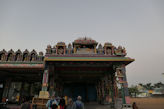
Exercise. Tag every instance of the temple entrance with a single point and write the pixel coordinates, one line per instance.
(86, 91)
(82, 78)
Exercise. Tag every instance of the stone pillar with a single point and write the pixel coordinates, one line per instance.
(45, 80)
(44, 93)
(125, 86)
(121, 73)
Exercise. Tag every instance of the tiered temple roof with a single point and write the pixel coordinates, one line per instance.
(80, 46)
(21, 56)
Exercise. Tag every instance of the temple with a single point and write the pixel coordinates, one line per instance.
(94, 71)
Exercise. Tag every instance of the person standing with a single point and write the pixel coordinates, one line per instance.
(78, 103)
(62, 103)
(52, 103)
(134, 105)
(71, 104)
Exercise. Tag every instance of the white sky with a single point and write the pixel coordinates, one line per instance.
(137, 25)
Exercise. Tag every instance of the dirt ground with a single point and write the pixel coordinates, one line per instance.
(142, 103)
(149, 103)
(96, 106)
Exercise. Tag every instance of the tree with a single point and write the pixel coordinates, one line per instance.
(158, 85)
(148, 86)
(133, 90)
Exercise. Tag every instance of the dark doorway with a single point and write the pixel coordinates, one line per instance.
(86, 91)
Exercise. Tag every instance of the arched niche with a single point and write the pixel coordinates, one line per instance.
(3, 55)
(108, 48)
(10, 55)
(26, 55)
(33, 55)
(18, 55)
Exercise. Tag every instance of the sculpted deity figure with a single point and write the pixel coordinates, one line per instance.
(119, 50)
(10, 57)
(100, 49)
(54, 50)
(109, 51)
(48, 50)
(124, 51)
(3, 58)
(60, 51)
(33, 57)
(25, 57)
(69, 48)
(18, 57)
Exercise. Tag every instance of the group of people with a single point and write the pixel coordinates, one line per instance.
(62, 103)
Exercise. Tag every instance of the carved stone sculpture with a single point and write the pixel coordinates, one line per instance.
(25, 57)
(48, 50)
(33, 57)
(18, 57)
(100, 49)
(108, 51)
(54, 50)
(3, 57)
(10, 57)
(120, 51)
(60, 51)
(69, 49)
(40, 57)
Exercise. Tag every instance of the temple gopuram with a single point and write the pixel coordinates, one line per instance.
(94, 71)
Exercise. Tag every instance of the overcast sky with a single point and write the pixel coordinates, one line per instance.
(136, 25)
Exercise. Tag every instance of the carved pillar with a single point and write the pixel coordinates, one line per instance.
(44, 93)
(125, 86)
(45, 80)
(121, 72)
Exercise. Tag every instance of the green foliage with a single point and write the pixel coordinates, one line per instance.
(158, 85)
(148, 86)
(133, 91)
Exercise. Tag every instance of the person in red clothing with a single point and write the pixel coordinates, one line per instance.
(62, 103)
